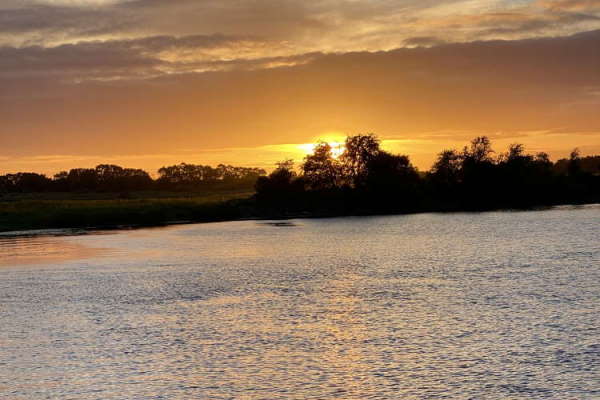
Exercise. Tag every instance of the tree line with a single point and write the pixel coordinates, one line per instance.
(363, 179)
(368, 179)
(113, 178)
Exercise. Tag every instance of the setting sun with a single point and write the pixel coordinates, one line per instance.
(337, 148)
(334, 139)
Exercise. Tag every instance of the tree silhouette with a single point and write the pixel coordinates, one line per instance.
(574, 163)
(359, 150)
(445, 172)
(368, 179)
(480, 150)
(321, 170)
(187, 176)
(364, 179)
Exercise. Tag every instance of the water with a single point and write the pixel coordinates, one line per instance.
(501, 305)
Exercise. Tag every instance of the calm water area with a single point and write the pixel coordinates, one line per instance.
(494, 305)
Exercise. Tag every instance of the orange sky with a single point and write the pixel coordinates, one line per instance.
(149, 83)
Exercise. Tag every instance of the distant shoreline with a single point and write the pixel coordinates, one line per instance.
(68, 217)
(363, 180)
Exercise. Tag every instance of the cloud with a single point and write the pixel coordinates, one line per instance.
(324, 26)
(143, 58)
(136, 77)
(584, 6)
(46, 25)
(481, 87)
(79, 3)
(423, 41)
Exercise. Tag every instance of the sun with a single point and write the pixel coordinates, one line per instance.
(337, 148)
(335, 140)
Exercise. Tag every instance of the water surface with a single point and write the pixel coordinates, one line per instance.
(499, 305)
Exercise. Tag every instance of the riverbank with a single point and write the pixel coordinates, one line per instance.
(106, 211)
(111, 211)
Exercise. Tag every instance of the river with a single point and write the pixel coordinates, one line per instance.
(494, 305)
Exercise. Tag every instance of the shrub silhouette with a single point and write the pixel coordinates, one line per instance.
(363, 179)
(368, 179)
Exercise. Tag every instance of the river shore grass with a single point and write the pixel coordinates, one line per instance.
(23, 212)
(104, 210)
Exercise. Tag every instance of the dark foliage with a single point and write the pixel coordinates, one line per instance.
(113, 178)
(363, 180)
(189, 175)
(24, 182)
(281, 189)
(103, 178)
(366, 179)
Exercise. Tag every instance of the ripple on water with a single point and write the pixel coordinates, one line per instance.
(430, 306)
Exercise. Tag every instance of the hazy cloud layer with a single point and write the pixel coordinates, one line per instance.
(143, 58)
(548, 85)
(122, 39)
(89, 77)
(328, 25)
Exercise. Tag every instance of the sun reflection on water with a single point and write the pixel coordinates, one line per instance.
(410, 307)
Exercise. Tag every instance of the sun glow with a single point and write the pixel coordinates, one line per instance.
(337, 148)
(335, 140)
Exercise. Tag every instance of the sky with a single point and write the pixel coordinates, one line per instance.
(147, 83)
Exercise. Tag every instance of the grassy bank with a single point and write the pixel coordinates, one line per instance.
(112, 210)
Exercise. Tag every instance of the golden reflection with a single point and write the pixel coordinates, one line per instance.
(16, 251)
(319, 337)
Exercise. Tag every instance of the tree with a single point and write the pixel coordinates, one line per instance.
(543, 158)
(82, 179)
(515, 162)
(25, 182)
(189, 175)
(359, 150)
(321, 170)
(480, 150)
(574, 166)
(516, 152)
(281, 185)
(390, 173)
(446, 169)
(284, 173)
